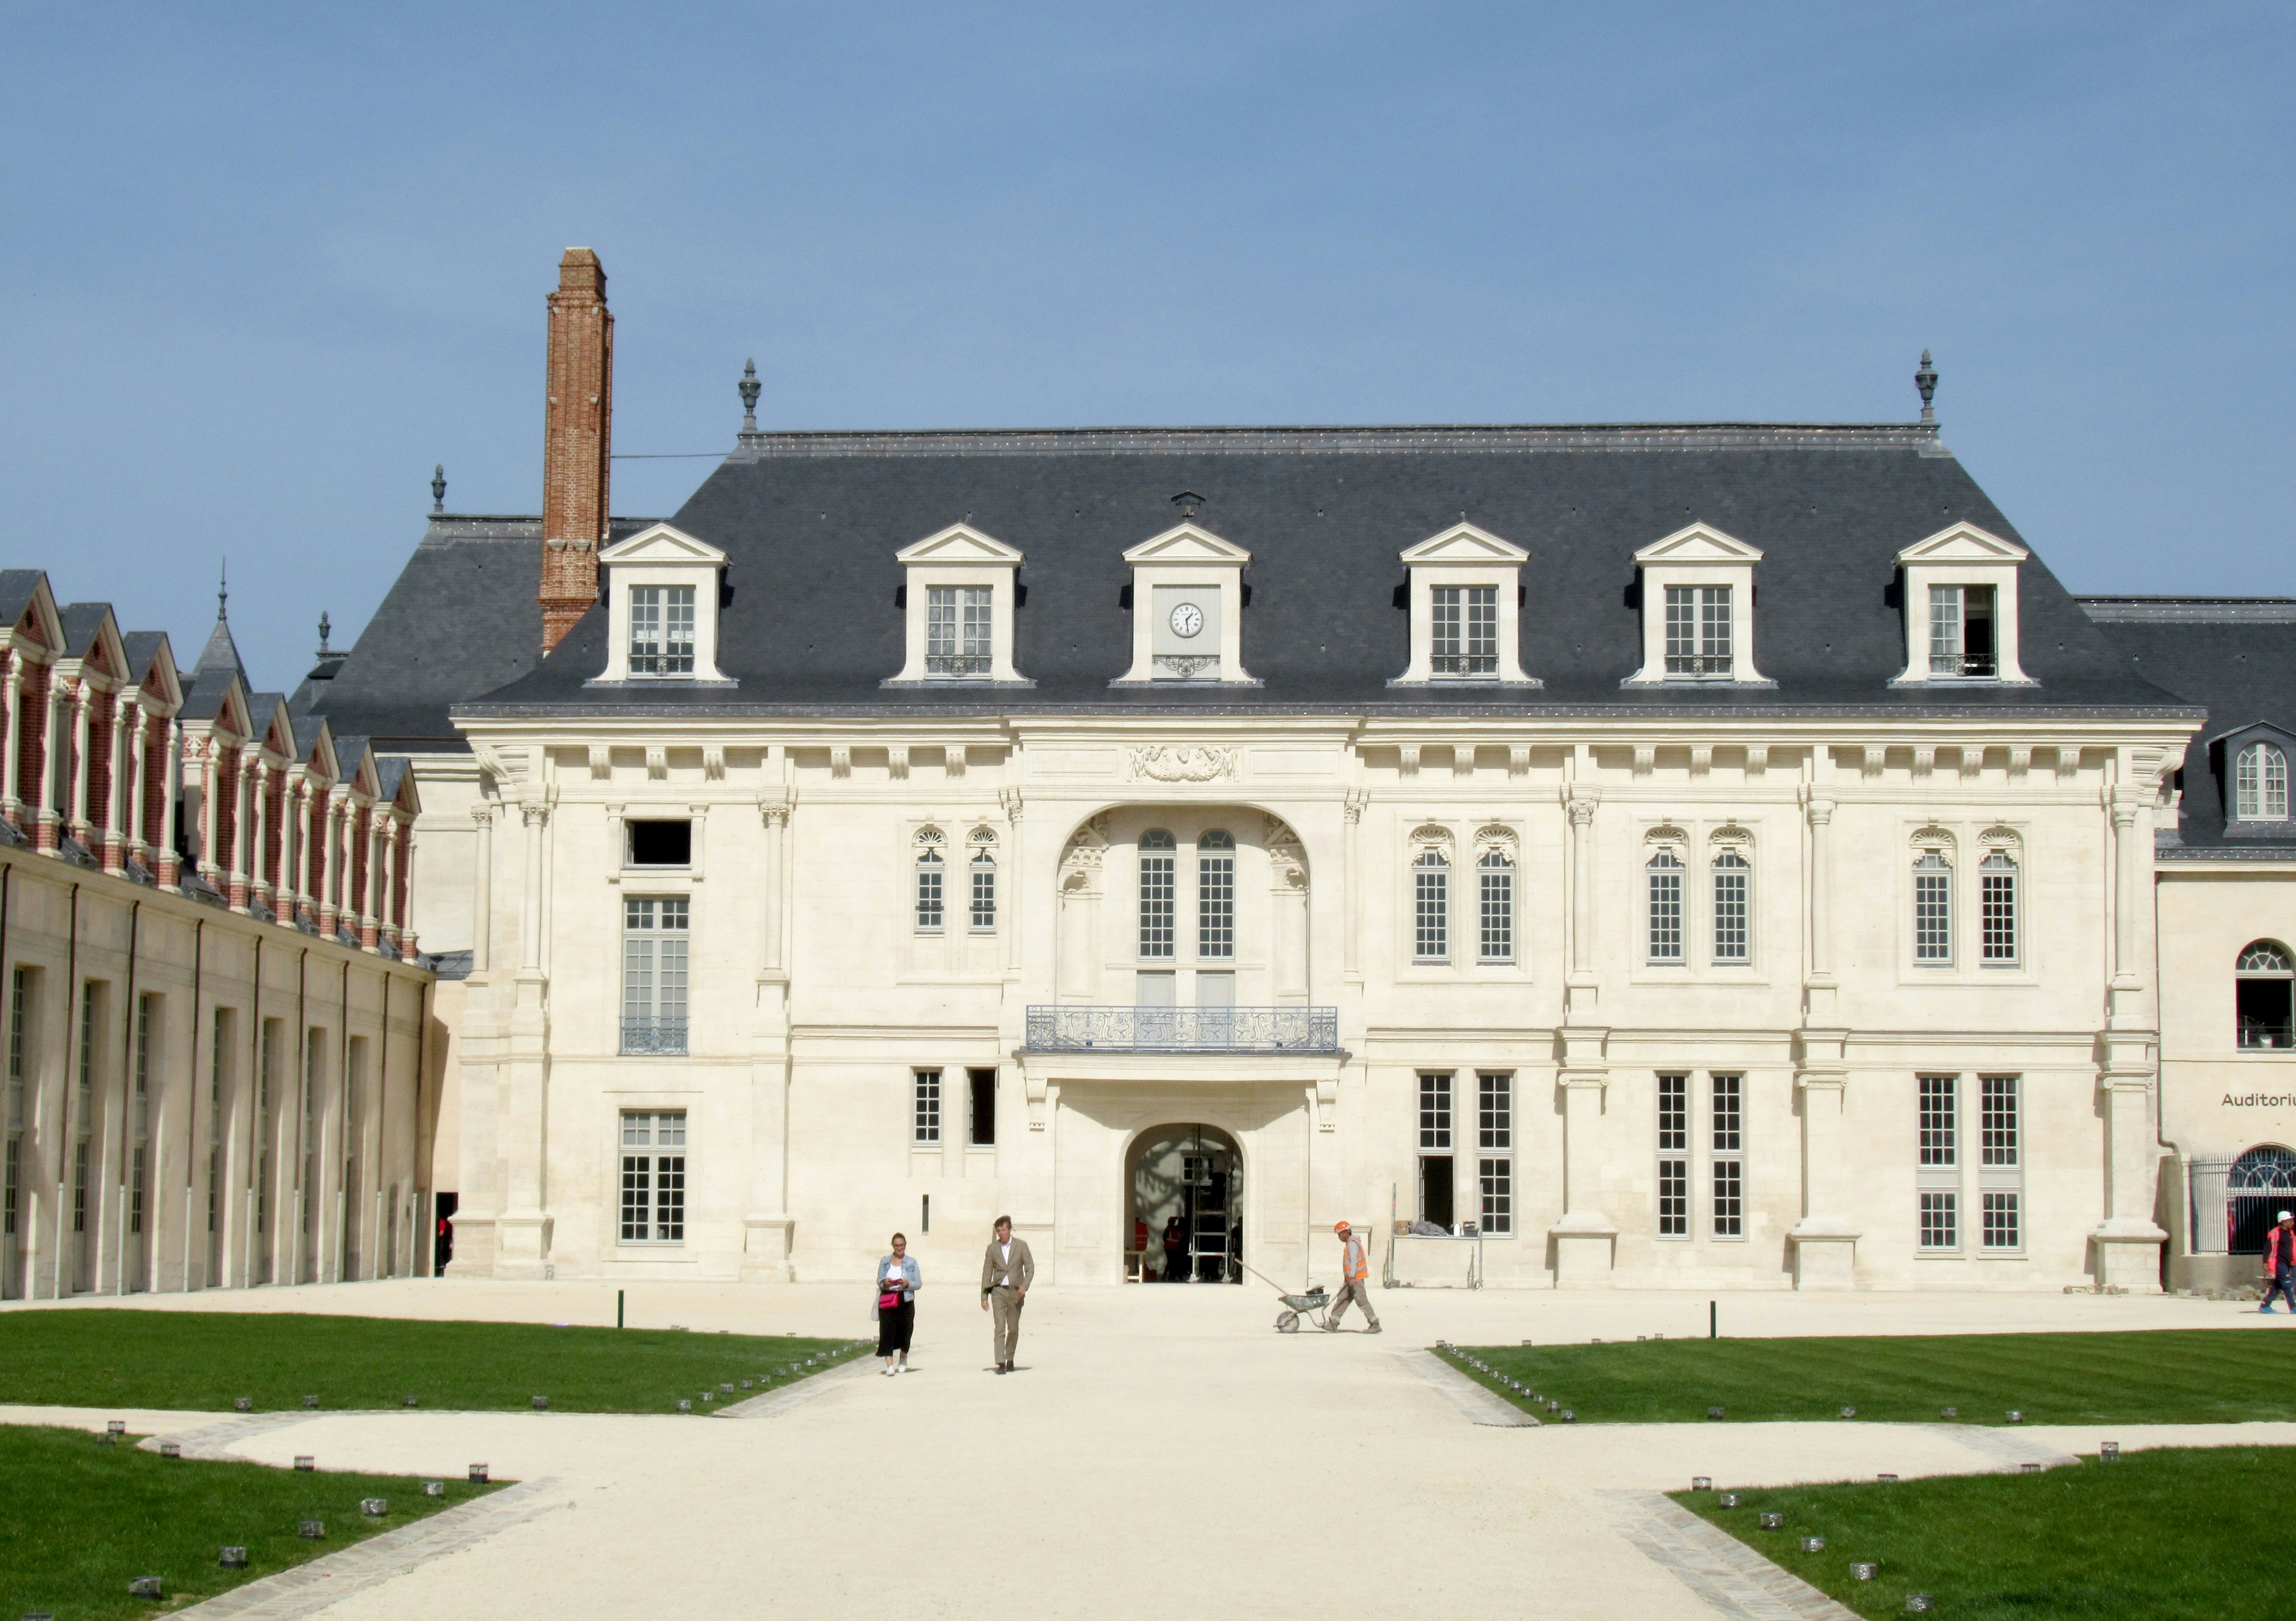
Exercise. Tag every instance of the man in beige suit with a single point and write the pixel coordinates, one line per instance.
(1006, 1271)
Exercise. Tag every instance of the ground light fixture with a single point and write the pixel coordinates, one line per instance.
(2028, 1469)
(1772, 1520)
(170, 1449)
(1729, 1500)
(684, 1404)
(1948, 1412)
(1570, 1417)
(2107, 1451)
(434, 1489)
(1864, 1570)
(233, 1559)
(1917, 1603)
(541, 1403)
(1701, 1483)
(1713, 1412)
(243, 1404)
(709, 1396)
(375, 1508)
(1887, 1479)
(478, 1474)
(305, 1464)
(2016, 1415)
(114, 1427)
(145, 1587)
(408, 1401)
(1813, 1544)
(1849, 1413)
(310, 1401)
(311, 1530)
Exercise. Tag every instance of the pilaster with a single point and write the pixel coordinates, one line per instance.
(1824, 1240)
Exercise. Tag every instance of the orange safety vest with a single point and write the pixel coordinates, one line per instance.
(1355, 1266)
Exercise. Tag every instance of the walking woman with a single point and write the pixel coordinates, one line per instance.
(898, 1283)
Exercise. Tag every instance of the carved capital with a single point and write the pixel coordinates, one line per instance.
(1010, 798)
(535, 813)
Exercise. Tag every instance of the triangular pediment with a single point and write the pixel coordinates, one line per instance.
(39, 621)
(661, 544)
(960, 543)
(160, 678)
(1698, 544)
(1187, 543)
(1464, 543)
(1964, 542)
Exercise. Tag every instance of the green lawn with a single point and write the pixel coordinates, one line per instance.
(84, 1519)
(2169, 1375)
(203, 1360)
(2193, 1535)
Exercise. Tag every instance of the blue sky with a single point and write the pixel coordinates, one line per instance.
(265, 265)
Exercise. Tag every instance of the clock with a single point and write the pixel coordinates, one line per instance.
(1187, 619)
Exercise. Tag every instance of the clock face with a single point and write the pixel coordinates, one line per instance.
(1187, 619)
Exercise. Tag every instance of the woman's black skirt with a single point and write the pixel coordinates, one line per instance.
(894, 1327)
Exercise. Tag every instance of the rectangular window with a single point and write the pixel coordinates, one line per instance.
(653, 1177)
(984, 894)
(1494, 1136)
(655, 933)
(1961, 632)
(1698, 631)
(1665, 908)
(1940, 1220)
(1435, 1110)
(1997, 1120)
(1156, 886)
(1497, 1178)
(956, 630)
(1940, 1126)
(2001, 1225)
(1932, 909)
(1733, 885)
(1494, 930)
(20, 996)
(1673, 1155)
(925, 1114)
(1216, 904)
(651, 843)
(1465, 632)
(1996, 916)
(79, 1186)
(930, 898)
(1729, 1142)
(661, 630)
(11, 1194)
(88, 1035)
(983, 1084)
(1431, 901)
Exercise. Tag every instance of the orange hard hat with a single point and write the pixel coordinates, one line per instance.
(1339, 1226)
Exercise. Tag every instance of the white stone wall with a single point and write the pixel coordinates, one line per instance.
(813, 996)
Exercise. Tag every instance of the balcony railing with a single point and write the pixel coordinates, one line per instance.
(954, 665)
(1112, 1029)
(653, 1035)
(2260, 1033)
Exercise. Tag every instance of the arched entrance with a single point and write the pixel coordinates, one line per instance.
(1191, 1174)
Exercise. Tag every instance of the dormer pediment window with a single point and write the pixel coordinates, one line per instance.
(1961, 608)
(2250, 765)
(1465, 622)
(961, 589)
(1698, 609)
(661, 607)
(1187, 608)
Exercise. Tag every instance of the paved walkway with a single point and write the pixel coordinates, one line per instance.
(1159, 1449)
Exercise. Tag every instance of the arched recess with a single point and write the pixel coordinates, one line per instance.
(1096, 942)
(1195, 1170)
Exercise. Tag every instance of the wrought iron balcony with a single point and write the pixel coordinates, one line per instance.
(1115, 1029)
(653, 1035)
(952, 664)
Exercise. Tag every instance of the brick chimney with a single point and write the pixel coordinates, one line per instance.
(577, 434)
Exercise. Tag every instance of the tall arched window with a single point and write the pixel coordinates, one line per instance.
(1996, 908)
(1495, 933)
(2260, 784)
(984, 892)
(2264, 994)
(1156, 862)
(1932, 908)
(930, 900)
(1430, 907)
(1216, 895)
(1733, 884)
(2259, 1185)
(1665, 880)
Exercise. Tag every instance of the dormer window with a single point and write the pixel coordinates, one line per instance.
(962, 589)
(1961, 608)
(2260, 784)
(1697, 594)
(1463, 594)
(1187, 608)
(661, 630)
(661, 616)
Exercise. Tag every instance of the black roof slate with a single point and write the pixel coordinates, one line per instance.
(460, 619)
(2236, 656)
(16, 588)
(81, 622)
(810, 524)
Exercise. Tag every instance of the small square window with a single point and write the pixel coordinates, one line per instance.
(660, 844)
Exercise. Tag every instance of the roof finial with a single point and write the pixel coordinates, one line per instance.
(750, 388)
(325, 651)
(438, 488)
(1187, 500)
(1925, 379)
(223, 591)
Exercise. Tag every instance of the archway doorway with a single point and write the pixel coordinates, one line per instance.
(1184, 1189)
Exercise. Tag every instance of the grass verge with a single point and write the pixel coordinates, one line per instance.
(2178, 1535)
(84, 1519)
(204, 1360)
(2167, 1376)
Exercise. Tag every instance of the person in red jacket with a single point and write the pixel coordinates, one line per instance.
(2280, 1262)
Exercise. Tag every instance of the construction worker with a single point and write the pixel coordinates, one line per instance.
(1355, 1274)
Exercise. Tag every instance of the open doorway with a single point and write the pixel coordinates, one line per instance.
(1183, 1188)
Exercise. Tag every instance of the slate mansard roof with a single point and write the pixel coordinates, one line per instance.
(2236, 656)
(810, 523)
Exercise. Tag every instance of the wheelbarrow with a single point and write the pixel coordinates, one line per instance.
(1312, 1305)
